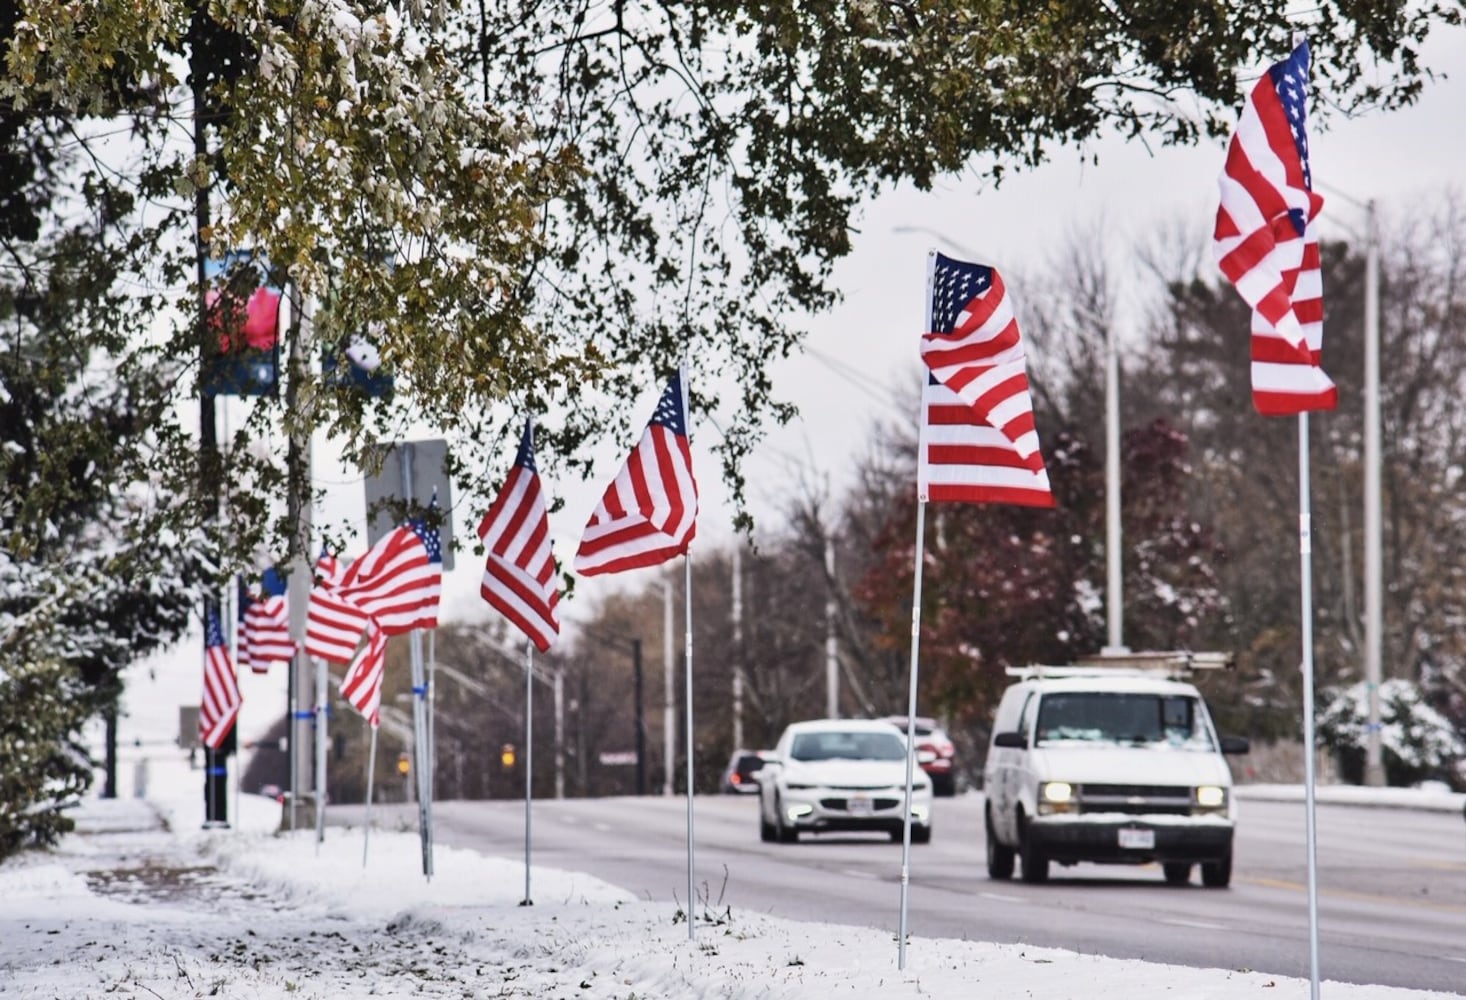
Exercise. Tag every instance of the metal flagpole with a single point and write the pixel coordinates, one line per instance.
(669, 691)
(911, 728)
(419, 729)
(1305, 550)
(528, 761)
(419, 712)
(366, 833)
(687, 645)
(321, 680)
(430, 764)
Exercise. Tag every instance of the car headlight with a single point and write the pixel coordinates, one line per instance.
(1211, 797)
(1056, 797)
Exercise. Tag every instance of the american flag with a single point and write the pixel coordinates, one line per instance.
(362, 685)
(247, 595)
(978, 442)
(219, 706)
(519, 567)
(398, 580)
(1266, 241)
(267, 624)
(333, 624)
(649, 513)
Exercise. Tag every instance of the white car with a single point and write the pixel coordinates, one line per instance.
(841, 774)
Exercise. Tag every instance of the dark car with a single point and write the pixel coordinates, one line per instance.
(934, 752)
(740, 777)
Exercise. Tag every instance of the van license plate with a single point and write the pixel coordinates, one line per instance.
(1137, 839)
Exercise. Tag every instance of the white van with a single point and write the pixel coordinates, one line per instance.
(1107, 764)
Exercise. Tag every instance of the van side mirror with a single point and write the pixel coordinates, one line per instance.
(1010, 740)
(1236, 744)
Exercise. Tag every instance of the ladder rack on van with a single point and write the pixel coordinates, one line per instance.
(1171, 663)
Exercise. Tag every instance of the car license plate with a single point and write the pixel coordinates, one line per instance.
(861, 805)
(1137, 839)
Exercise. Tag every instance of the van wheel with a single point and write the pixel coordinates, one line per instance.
(1000, 856)
(1177, 872)
(1035, 861)
(765, 829)
(1217, 874)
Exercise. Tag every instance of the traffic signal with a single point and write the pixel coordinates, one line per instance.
(404, 764)
(506, 756)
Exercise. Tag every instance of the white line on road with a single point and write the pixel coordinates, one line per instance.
(1455, 958)
(1202, 924)
(855, 873)
(1001, 898)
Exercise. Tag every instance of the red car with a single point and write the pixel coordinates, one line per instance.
(934, 752)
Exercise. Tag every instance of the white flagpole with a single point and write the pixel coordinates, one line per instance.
(687, 645)
(321, 703)
(911, 727)
(528, 761)
(366, 833)
(421, 739)
(687, 666)
(1305, 550)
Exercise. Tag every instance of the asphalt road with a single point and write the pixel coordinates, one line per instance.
(1391, 882)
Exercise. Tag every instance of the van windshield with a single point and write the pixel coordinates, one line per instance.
(1123, 719)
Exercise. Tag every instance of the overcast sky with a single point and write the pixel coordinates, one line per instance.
(866, 348)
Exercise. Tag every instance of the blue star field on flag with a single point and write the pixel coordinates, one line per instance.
(955, 283)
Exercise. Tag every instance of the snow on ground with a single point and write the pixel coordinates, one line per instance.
(143, 902)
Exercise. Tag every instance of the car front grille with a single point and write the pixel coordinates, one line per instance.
(1173, 800)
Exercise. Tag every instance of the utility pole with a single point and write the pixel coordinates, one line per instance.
(216, 762)
(298, 513)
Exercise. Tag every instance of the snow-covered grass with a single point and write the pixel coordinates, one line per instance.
(129, 908)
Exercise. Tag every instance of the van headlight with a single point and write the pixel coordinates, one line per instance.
(1055, 797)
(1211, 798)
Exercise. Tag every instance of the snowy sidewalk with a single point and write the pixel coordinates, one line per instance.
(143, 903)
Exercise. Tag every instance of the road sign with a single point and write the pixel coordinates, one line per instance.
(422, 467)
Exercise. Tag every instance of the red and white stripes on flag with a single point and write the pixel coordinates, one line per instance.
(1266, 241)
(649, 512)
(978, 442)
(219, 706)
(362, 685)
(398, 581)
(333, 625)
(519, 567)
(267, 632)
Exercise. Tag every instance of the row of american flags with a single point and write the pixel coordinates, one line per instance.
(978, 442)
(647, 516)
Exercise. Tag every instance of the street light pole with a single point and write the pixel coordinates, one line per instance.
(1373, 461)
(1115, 606)
(1374, 773)
(832, 656)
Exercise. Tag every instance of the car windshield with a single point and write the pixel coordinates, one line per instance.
(1128, 719)
(848, 746)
